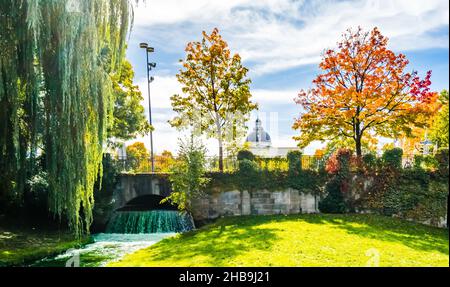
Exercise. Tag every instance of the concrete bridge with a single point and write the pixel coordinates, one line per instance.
(132, 186)
(134, 191)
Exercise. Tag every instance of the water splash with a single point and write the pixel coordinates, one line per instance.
(153, 221)
(127, 232)
(105, 249)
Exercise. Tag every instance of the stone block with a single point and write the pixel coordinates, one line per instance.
(260, 194)
(262, 201)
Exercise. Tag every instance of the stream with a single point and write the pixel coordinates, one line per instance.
(105, 248)
(126, 232)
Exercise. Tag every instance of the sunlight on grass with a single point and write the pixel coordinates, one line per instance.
(25, 246)
(303, 240)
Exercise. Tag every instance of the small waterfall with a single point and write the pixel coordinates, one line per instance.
(153, 221)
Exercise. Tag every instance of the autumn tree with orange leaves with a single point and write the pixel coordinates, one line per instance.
(363, 92)
(216, 100)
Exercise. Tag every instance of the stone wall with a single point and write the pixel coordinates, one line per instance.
(261, 202)
(220, 203)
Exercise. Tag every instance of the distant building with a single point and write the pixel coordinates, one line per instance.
(260, 143)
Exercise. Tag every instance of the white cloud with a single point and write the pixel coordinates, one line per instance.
(199, 11)
(166, 86)
(277, 35)
(166, 137)
(274, 35)
(161, 89)
(266, 98)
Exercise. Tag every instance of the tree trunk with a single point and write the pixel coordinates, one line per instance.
(358, 146)
(220, 139)
(358, 133)
(220, 156)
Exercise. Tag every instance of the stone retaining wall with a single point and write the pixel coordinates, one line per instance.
(220, 203)
(261, 202)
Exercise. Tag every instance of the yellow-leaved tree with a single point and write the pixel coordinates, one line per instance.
(216, 100)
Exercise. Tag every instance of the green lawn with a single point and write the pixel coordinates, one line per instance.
(301, 240)
(22, 246)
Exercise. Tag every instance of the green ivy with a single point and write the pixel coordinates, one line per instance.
(308, 181)
(418, 193)
(295, 162)
(414, 193)
(249, 173)
(442, 159)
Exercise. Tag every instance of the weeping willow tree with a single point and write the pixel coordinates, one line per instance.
(56, 100)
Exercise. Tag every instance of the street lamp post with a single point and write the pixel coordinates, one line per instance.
(149, 66)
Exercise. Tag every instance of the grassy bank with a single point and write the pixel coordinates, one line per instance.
(303, 240)
(22, 246)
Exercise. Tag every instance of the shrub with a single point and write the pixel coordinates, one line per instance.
(339, 166)
(334, 201)
(393, 158)
(245, 155)
(188, 177)
(247, 167)
(418, 158)
(425, 162)
(340, 162)
(370, 161)
(430, 162)
(295, 162)
(442, 159)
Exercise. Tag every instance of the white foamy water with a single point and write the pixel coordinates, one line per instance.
(105, 249)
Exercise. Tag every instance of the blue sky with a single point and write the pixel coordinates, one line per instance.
(281, 42)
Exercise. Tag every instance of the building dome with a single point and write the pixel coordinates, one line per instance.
(258, 135)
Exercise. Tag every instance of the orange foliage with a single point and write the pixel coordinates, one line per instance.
(319, 153)
(164, 161)
(364, 91)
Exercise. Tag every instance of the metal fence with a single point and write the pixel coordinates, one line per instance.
(163, 165)
(309, 162)
(408, 160)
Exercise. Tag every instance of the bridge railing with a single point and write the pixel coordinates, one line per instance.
(163, 165)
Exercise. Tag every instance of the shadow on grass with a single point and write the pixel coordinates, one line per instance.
(22, 247)
(413, 235)
(216, 244)
(219, 244)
